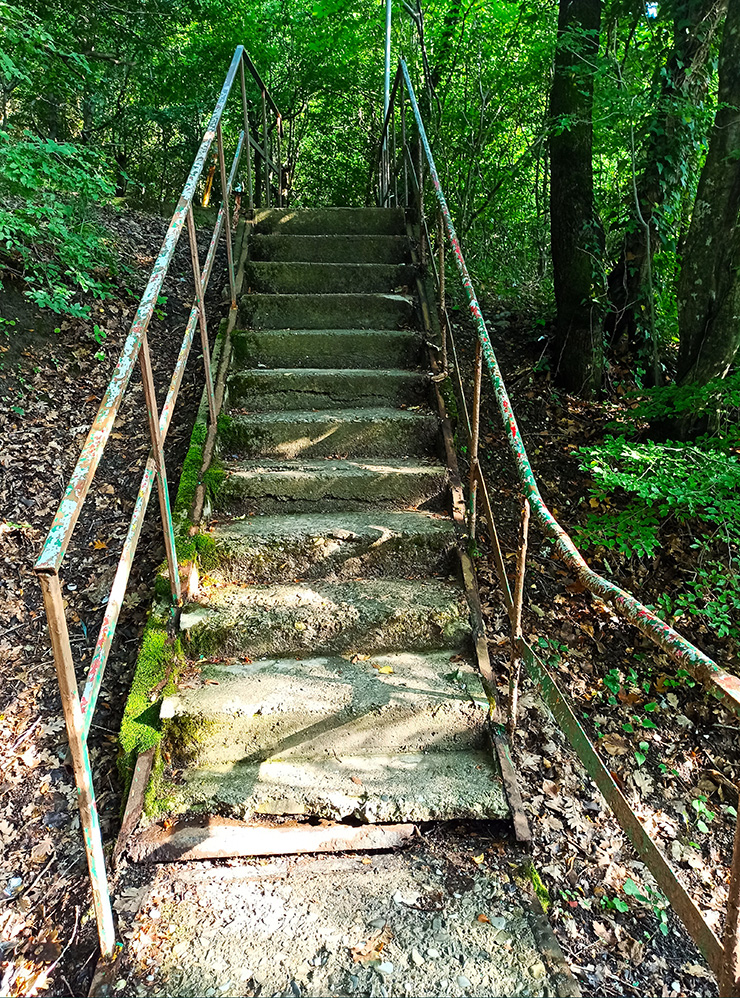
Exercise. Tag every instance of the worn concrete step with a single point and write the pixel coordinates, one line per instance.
(383, 432)
(311, 311)
(276, 389)
(399, 786)
(326, 348)
(330, 249)
(332, 546)
(330, 221)
(364, 616)
(325, 485)
(326, 278)
(252, 711)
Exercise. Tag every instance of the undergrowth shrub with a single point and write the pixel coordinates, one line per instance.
(48, 234)
(696, 485)
(714, 406)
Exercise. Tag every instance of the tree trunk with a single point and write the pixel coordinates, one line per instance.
(575, 230)
(709, 285)
(665, 152)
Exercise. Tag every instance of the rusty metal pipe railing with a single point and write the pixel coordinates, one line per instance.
(723, 958)
(118, 589)
(627, 606)
(78, 711)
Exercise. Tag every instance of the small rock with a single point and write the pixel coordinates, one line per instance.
(210, 993)
(433, 954)
(119, 985)
(537, 970)
(385, 969)
(463, 982)
(378, 923)
(417, 958)
(497, 921)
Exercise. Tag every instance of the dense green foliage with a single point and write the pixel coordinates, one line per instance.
(48, 194)
(695, 485)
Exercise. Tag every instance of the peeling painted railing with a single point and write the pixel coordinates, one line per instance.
(78, 711)
(402, 166)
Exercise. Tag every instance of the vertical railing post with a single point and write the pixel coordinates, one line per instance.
(247, 136)
(152, 412)
(265, 149)
(197, 280)
(420, 177)
(729, 984)
(279, 127)
(393, 155)
(405, 150)
(227, 214)
(54, 605)
(474, 437)
(442, 302)
(516, 617)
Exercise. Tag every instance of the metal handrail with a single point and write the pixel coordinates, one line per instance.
(723, 957)
(78, 711)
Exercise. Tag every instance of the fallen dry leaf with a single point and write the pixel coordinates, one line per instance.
(615, 744)
(371, 949)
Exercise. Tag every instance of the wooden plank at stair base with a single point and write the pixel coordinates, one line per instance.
(224, 838)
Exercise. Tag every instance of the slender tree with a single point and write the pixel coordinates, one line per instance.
(709, 285)
(575, 229)
(664, 158)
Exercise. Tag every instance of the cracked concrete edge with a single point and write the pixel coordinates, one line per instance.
(552, 955)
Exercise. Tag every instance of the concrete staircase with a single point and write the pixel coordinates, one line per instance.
(331, 638)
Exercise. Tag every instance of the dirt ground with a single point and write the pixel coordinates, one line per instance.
(449, 915)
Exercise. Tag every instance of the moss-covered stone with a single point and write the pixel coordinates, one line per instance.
(191, 470)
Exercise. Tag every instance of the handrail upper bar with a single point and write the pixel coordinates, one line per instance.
(55, 545)
(261, 84)
(635, 612)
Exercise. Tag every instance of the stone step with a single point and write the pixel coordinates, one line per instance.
(289, 277)
(326, 485)
(276, 389)
(326, 348)
(252, 711)
(311, 311)
(432, 786)
(332, 546)
(364, 616)
(330, 221)
(330, 249)
(368, 432)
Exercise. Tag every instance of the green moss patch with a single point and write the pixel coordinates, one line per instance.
(156, 671)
